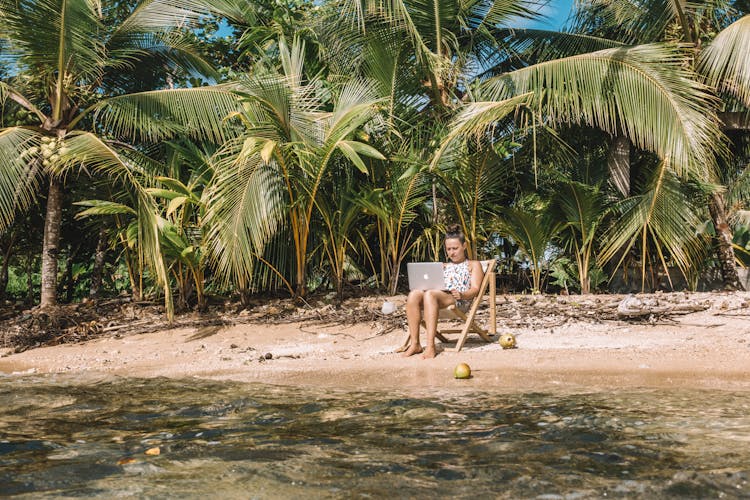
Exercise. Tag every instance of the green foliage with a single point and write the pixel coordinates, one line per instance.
(533, 231)
(345, 154)
(655, 221)
(580, 209)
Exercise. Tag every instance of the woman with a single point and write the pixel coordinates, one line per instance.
(462, 280)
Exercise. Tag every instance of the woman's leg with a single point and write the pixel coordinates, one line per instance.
(433, 301)
(413, 318)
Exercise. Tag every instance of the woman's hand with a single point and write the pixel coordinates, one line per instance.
(457, 295)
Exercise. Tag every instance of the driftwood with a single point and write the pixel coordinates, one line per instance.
(640, 307)
(550, 311)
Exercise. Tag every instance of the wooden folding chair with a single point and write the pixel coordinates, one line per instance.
(469, 325)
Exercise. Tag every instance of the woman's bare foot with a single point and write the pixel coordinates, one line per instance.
(412, 350)
(429, 352)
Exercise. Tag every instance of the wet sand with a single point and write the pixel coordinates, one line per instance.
(708, 349)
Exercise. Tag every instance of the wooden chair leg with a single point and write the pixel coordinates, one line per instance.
(492, 327)
(468, 324)
(405, 345)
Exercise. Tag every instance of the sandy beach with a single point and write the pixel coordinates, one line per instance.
(705, 349)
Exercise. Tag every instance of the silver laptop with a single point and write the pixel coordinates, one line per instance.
(425, 275)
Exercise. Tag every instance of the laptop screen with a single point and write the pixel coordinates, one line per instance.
(425, 275)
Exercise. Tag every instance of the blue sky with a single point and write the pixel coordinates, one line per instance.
(556, 13)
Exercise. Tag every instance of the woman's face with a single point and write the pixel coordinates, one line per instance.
(455, 250)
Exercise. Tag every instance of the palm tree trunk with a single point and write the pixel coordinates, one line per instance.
(50, 247)
(724, 251)
(6, 265)
(29, 278)
(4, 273)
(98, 269)
(68, 277)
(619, 164)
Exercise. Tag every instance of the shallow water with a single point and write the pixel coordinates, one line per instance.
(229, 440)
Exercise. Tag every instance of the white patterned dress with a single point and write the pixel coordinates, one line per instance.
(458, 277)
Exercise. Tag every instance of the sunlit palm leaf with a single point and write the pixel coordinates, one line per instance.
(276, 109)
(245, 209)
(158, 115)
(475, 120)
(19, 172)
(645, 92)
(726, 62)
(163, 15)
(103, 207)
(663, 216)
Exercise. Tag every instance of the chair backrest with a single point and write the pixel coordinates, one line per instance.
(488, 266)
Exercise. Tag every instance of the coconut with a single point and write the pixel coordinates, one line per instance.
(462, 370)
(507, 341)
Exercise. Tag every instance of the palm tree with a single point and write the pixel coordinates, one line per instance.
(77, 65)
(467, 62)
(274, 174)
(717, 34)
(533, 232)
(581, 209)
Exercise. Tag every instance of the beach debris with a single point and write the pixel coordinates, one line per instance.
(121, 317)
(388, 307)
(268, 355)
(462, 371)
(153, 451)
(507, 341)
(633, 306)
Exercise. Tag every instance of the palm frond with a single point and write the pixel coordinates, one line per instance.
(20, 172)
(629, 21)
(103, 207)
(663, 216)
(163, 15)
(9, 92)
(726, 61)
(384, 64)
(644, 92)
(86, 149)
(276, 108)
(521, 47)
(162, 114)
(532, 233)
(64, 41)
(245, 209)
(393, 11)
(175, 49)
(475, 120)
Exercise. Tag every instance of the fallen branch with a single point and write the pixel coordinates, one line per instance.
(635, 307)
